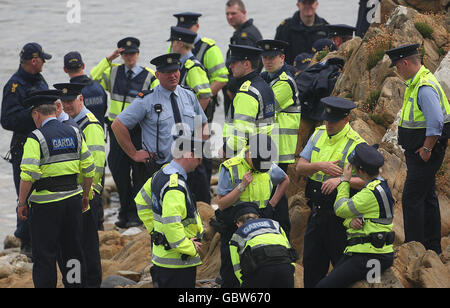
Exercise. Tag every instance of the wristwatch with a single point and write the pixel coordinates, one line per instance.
(343, 179)
(427, 149)
(240, 187)
(21, 204)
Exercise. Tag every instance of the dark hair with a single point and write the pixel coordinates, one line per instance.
(239, 3)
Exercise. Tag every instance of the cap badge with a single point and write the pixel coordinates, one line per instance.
(169, 60)
(128, 43)
(64, 91)
(182, 19)
(267, 46)
(328, 110)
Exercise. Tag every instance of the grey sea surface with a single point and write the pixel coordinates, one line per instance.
(102, 24)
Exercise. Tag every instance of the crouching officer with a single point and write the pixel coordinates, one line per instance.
(322, 161)
(248, 177)
(54, 155)
(260, 251)
(368, 219)
(73, 102)
(169, 212)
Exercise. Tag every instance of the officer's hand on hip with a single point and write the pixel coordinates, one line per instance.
(115, 54)
(197, 244)
(425, 155)
(247, 179)
(22, 211)
(330, 168)
(329, 185)
(141, 156)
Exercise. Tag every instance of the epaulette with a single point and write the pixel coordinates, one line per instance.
(91, 117)
(189, 64)
(144, 93)
(372, 185)
(208, 41)
(187, 88)
(322, 127)
(284, 76)
(173, 182)
(352, 134)
(245, 86)
(232, 162)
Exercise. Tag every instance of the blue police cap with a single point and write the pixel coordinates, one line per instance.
(323, 44)
(340, 30)
(402, 52)
(33, 50)
(272, 47)
(187, 19)
(130, 44)
(166, 63)
(302, 61)
(336, 108)
(244, 208)
(367, 158)
(243, 52)
(38, 100)
(182, 34)
(69, 91)
(72, 60)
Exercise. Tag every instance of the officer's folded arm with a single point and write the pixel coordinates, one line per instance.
(305, 168)
(279, 192)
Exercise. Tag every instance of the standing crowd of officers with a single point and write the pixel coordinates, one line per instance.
(158, 124)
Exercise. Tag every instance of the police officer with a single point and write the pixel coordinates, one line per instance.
(192, 73)
(260, 251)
(210, 56)
(423, 132)
(246, 33)
(169, 212)
(340, 33)
(302, 29)
(249, 177)
(165, 109)
(72, 100)
(124, 82)
(54, 155)
(94, 96)
(280, 77)
(322, 161)
(16, 118)
(323, 45)
(368, 219)
(253, 109)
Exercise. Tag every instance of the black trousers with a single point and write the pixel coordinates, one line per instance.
(227, 275)
(421, 214)
(91, 247)
(121, 165)
(270, 276)
(173, 277)
(22, 227)
(353, 268)
(325, 240)
(281, 213)
(56, 228)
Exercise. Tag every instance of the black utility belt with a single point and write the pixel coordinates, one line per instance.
(377, 239)
(254, 258)
(57, 183)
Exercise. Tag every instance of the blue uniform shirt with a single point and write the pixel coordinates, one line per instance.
(225, 186)
(82, 114)
(142, 111)
(136, 70)
(307, 150)
(429, 103)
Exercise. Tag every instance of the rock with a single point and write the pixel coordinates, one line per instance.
(442, 73)
(132, 231)
(388, 280)
(115, 281)
(136, 277)
(11, 242)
